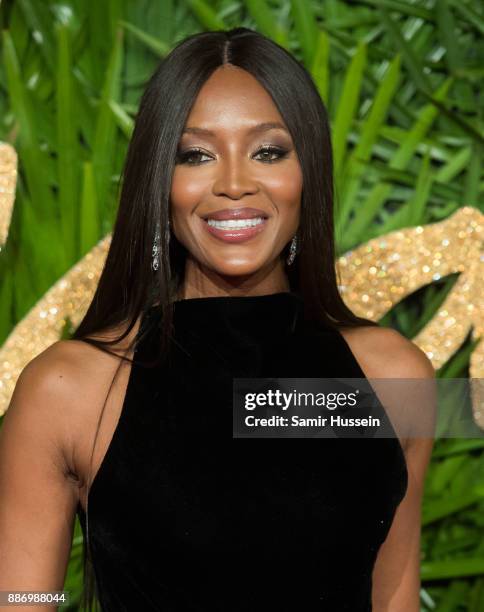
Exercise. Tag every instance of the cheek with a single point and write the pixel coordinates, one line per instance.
(285, 188)
(186, 190)
(186, 193)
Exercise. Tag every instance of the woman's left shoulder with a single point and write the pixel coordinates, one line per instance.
(386, 353)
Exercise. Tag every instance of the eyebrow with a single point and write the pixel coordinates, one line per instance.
(260, 127)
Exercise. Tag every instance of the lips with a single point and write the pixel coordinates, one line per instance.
(235, 213)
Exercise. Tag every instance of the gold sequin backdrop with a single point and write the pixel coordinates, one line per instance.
(373, 278)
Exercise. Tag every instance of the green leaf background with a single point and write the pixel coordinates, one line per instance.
(403, 84)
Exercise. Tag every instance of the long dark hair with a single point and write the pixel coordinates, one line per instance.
(128, 286)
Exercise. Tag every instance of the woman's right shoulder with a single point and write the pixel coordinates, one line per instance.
(70, 363)
(59, 370)
(68, 366)
(60, 391)
(61, 381)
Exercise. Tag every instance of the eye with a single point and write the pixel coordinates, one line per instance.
(185, 156)
(271, 150)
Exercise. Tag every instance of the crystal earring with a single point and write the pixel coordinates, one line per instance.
(292, 251)
(155, 251)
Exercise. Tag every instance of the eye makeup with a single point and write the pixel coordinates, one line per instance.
(185, 155)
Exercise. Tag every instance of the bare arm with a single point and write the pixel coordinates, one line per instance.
(396, 576)
(38, 492)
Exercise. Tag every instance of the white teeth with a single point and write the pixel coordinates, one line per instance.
(235, 223)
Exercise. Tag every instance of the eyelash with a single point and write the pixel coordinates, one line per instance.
(184, 155)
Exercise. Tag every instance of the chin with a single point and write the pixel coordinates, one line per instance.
(238, 269)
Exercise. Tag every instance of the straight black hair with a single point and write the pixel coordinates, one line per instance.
(128, 286)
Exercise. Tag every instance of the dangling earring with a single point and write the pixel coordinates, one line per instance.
(292, 251)
(155, 262)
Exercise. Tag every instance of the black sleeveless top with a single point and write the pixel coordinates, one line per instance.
(184, 517)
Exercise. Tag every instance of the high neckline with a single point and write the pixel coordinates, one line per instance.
(251, 316)
(218, 299)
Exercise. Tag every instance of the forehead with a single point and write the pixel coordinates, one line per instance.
(232, 98)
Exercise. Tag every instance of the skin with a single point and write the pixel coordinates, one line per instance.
(232, 172)
(55, 407)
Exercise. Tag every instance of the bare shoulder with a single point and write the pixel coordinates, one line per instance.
(69, 368)
(384, 352)
(63, 389)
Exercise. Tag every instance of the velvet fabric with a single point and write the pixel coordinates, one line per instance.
(183, 517)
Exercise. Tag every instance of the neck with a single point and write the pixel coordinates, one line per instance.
(203, 282)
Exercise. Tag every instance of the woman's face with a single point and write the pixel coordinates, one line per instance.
(230, 159)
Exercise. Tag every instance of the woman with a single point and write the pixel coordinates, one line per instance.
(221, 266)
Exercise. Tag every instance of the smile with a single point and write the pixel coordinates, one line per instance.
(235, 230)
(231, 223)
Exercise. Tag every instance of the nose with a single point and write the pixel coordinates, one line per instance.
(233, 178)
